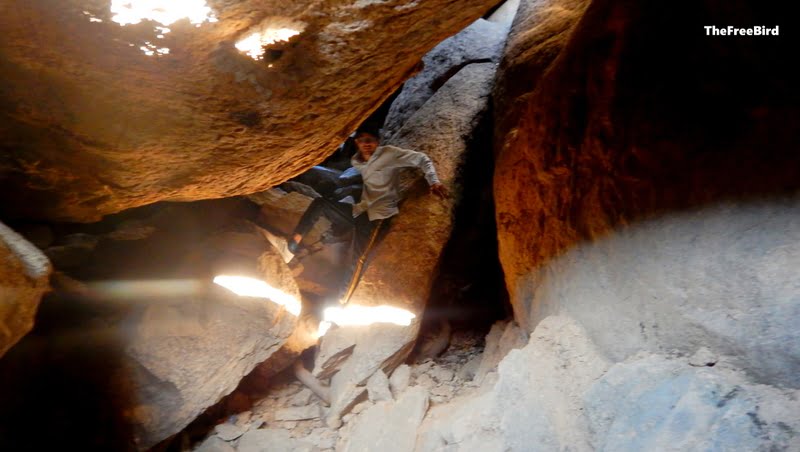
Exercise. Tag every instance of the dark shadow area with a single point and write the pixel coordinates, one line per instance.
(60, 385)
(470, 290)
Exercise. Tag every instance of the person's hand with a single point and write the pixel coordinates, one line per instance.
(440, 191)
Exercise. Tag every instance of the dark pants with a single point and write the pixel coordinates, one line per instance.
(365, 235)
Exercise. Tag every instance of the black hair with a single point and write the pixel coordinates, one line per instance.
(367, 130)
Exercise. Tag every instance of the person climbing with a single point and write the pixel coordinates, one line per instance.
(368, 218)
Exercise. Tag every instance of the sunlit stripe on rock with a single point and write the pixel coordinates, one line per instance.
(251, 287)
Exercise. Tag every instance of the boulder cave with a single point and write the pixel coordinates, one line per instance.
(594, 241)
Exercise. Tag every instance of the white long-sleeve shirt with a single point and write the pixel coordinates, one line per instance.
(380, 195)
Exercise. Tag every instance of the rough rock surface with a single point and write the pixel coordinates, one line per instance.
(596, 130)
(264, 427)
(364, 422)
(91, 125)
(378, 387)
(217, 343)
(503, 337)
(480, 42)
(718, 277)
(400, 275)
(23, 280)
(582, 402)
(388, 425)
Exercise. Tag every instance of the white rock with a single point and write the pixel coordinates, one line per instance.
(389, 426)
(502, 338)
(467, 372)
(229, 432)
(399, 380)
(361, 407)
(445, 391)
(425, 380)
(243, 418)
(441, 374)
(302, 398)
(378, 387)
(422, 368)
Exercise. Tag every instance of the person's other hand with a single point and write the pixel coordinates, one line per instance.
(440, 191)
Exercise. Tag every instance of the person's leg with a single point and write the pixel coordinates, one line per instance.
(339, 214)
(367, 234)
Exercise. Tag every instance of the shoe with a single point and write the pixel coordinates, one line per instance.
(281, 245)
(284, 250)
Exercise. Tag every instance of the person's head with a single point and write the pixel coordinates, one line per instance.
(366, 142)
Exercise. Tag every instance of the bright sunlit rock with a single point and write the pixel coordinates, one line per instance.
(323, 328)
(354, 315)
(251, 287)
(165, 12)
(253, 44)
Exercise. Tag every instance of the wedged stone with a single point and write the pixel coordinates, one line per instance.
(505, 13)
(24, 278)
(482, 41)
(229, 432)
(334, 349)
(389, 426)
(400, 275)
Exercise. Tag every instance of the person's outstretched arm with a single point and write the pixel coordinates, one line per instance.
(407, 158)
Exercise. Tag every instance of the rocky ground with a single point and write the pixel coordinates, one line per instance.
(291, 417)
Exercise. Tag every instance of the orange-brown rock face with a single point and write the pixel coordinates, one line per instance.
(610, 112)
(23, 281)
(90, 124)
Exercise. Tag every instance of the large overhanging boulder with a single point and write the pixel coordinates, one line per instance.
(91, 124)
